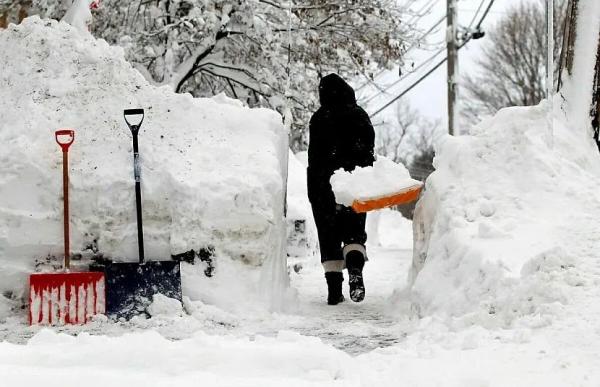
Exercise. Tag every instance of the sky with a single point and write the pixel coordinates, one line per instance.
(429, 97)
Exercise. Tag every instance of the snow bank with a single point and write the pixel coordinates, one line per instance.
(496, 229)
(211, 168)
(149, 359)
(301, 228)
(504, 231)
(384, 178)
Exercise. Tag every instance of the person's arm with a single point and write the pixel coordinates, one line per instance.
(320, 154)
(364, 147)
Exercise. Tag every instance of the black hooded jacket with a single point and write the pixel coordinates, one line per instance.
(341, 136)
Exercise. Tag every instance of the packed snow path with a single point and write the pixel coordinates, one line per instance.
(352, 327)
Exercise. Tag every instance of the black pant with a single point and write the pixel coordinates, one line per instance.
(337, 224)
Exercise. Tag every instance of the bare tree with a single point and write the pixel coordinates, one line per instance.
(405, 136)
(511, 71)
(391, 136)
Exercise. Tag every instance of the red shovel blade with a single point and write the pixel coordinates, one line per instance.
(65, 298)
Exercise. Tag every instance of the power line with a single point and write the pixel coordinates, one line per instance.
(421, 65)
(410, 88)
(427, 33)
(476, 13)
(487, 10)
(413, 45)
(421, 79)
(412, 71)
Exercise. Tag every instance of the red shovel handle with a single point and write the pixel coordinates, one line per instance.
(60, 139)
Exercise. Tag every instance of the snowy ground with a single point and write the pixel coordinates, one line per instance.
(375, 343)
(353, 328)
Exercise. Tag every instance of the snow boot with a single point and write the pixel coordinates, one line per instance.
(355, 261)
(334, 287)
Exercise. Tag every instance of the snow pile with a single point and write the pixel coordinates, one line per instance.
(164, 306)
(384, 178)
(149, 359)
(301, 228)
(505, 234)
(496, 230)
(211, 168)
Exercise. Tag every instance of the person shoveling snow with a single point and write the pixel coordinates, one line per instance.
(341, 136)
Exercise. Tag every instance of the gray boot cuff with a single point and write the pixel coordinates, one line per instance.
(337, 266)
(354, 247)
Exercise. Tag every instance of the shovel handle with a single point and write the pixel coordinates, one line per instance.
(137, 174)
(60, 138)
(133, 112)
(64, 138)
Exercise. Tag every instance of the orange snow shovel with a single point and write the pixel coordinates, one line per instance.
(404, 196)
(66, 297)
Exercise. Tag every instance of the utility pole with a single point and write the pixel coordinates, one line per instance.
(550, 49)
(550, 68)
(452, 46)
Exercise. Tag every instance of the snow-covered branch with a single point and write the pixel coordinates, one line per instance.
(248, 47)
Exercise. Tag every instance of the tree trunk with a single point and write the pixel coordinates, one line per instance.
(570, 33)
(566, 64)
(24, 10)
(595, 111)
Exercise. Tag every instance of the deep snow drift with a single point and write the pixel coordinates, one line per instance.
(503, 230)
(211, 168)
(494, 227)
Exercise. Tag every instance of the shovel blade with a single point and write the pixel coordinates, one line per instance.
(65, 298)
(407, 195)
(131, 285)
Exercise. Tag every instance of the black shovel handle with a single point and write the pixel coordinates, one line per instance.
(137, 175)
(134, 112)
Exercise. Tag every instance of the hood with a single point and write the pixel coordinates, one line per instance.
(334, 91)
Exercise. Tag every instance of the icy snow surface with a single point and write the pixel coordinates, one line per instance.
(211, 168)
(384, 178)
